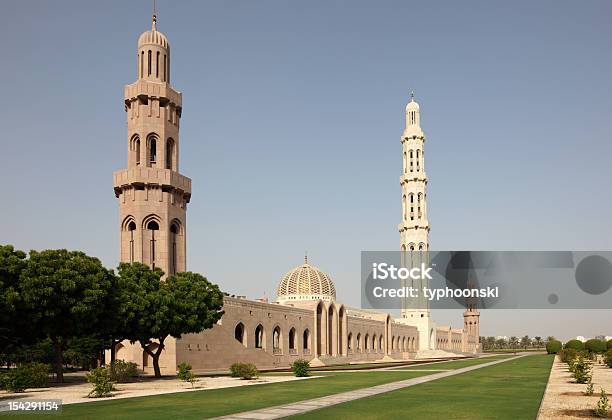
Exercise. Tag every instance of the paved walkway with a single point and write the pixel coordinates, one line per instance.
(314, 404)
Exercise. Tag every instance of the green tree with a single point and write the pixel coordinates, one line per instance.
(12, 263)
(538, 341)
(184, 303)
(513, 342)
(126, 301)
(525, 341)
(67, 293)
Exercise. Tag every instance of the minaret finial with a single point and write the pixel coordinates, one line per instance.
(305, 257)
(153, 26)
(412, 96)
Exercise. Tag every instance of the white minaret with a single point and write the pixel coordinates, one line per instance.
(414, 227)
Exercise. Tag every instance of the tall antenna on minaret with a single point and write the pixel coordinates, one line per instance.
(154, 15)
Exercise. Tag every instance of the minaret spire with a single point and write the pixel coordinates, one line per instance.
(154, 23)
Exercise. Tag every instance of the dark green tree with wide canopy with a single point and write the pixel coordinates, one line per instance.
(184, 303)
(66, 294)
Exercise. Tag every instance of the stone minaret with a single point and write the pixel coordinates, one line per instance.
(414, 227)
(152, 194)
(471, 326)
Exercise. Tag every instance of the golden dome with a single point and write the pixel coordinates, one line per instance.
(306, 282)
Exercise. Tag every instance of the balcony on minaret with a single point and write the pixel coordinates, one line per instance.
(165, 178)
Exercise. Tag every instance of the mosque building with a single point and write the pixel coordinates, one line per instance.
(305, 321)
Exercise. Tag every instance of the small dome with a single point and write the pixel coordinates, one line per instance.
(412, 105)
(153, 37)
(306, 282)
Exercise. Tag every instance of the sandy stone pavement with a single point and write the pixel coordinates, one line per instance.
(565, 399)
(77, 393)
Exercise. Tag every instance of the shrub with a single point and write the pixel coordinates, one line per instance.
(567, 355)
(185, 374)
(121, 371)
(595, 346)
(574, 344)
(582, 370)
(300, 368)
(37, 374)
(553, 346)
(100, 378)
(589, 389)
(609, 345)
(28, 375)
(603, 405)
(15, 380)
(244, 371)
(608, 358)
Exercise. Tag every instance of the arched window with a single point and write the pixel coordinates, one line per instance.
(149, 69)
(292, 339)
(135, 150)
(164, 67)
(418, 161)
(380, 343)
(142, 64)
(367, 342)
(359, 342)
(157, 65)
(276, 339)
(419, 198)
(350, 341)
(405, 207)
(374, 342)
(411, 206)
(169, 154)
(152, 150)
(131, 229)
(405, 163)
(239, 333)
(411, 162)
(152, 226)
(259, 337)
(306, 340)
(174, 232)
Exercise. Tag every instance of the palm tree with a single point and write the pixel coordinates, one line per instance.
(538, 341)
(525, 341)
(513, 342)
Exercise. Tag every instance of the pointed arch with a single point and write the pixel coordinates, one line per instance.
(170, 154)
(259, 337)
(152, 149)
(240, 334)
(135, 150)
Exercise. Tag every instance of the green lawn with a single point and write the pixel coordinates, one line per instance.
(456, 364)
(511, 390)
(217, 402)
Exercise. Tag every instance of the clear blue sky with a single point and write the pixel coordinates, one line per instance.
(292, 117)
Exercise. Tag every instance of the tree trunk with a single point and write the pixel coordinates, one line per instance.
(155, 356)
(59, 359)
(113, 351)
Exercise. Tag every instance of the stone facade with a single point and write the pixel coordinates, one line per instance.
(306, 321)
(152, 194)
